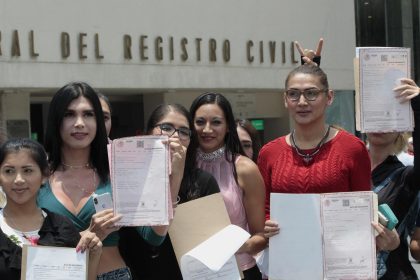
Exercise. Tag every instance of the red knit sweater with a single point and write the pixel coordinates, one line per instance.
(342, 165)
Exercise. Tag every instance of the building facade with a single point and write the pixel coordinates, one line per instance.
(142, 53)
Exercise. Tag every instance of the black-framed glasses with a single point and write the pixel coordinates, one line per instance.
(168, 129)
(310, 94)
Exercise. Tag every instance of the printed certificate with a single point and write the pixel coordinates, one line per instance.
(377, 72)
(323, 236)
(51, 263)
(140, 180)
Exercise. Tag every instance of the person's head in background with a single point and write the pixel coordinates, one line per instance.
(392, 143)
(23, 166)
(215, 124)
(174, 120)
(106, 108)
(249, 137)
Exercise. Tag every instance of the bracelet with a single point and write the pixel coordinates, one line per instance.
(175, 203)
(316, 59)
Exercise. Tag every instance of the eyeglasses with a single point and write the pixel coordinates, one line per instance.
(309, 94)
(168, 129)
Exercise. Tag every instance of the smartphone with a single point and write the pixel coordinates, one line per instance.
(102, 201)
(387, 212)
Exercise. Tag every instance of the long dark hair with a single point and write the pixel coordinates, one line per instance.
(189, 189)
(232, 142)
(58, 106)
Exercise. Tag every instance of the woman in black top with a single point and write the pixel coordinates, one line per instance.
(401, 184)
(145, 261)
(23, 168)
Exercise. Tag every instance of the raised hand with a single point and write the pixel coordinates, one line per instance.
(310, 56)
(103, 223)
(178, 155)
(406, 91)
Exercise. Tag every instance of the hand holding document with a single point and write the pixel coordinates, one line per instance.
(140, 180)
(214, 258)
(323, 236)
(51, 263)
(378, 70)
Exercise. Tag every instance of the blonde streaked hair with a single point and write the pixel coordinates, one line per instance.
(400, 143)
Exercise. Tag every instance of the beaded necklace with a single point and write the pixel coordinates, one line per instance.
(211, 156)
(308, 157)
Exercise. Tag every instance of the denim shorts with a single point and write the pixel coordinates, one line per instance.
(118, 274)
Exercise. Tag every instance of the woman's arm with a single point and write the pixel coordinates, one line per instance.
(91, 242)
(265, 171)
(252, 184)
(409, 91)
(415, 244)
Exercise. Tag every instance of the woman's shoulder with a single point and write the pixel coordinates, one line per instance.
(273, 145)
(55, 220)
(58, 230)
(10, 259)
(347, 140)
(245, 165)
(349, 146)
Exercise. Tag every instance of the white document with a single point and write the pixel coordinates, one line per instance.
(299, 243)
(52, 263)
(214, 258)
(323, 236)
(380, 70)
(140, 180)
(349, 238)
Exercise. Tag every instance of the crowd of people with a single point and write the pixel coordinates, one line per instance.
(49, 198)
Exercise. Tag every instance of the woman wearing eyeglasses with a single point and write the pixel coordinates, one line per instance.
(145, 261)
(315, 157)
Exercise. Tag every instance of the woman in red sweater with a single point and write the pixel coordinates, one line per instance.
(315, 157)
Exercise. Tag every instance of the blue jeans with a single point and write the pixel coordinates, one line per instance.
(118, 274)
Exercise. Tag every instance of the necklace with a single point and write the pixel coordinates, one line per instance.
(75, 166)
(308, 157)
(85, 190)
(211, 156)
